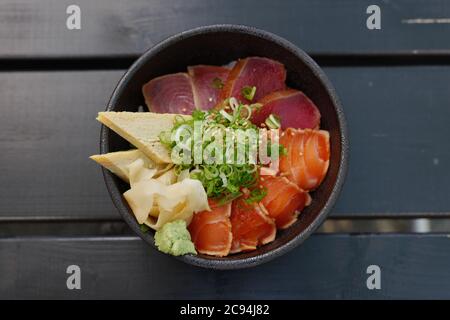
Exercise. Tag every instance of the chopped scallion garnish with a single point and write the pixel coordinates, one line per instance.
(256, 195)
(144, 228)
(224, 181)
(248, 92)
(228, 198)
(273, 122)
(217, 83)
(282, 151)
(164, 137)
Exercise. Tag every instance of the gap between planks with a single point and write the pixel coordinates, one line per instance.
(99, 229)
(120, 62)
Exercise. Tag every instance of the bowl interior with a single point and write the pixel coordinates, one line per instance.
(219, 46)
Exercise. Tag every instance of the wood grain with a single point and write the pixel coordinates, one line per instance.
(398, 120)
(48, 132)
(397, 117)
(324, 267)
(38, 28)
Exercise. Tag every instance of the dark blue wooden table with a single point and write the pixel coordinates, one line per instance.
(54, 208)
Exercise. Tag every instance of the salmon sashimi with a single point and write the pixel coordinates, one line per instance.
(207, 82)
(171, 93)
(211, 230)
(251, 226)
(284, 200)
(265, 74)
(293, 107)
(308, 156)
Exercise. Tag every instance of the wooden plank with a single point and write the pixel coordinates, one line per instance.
(38, 28)
(48, 132)
(324, 267)
(398, 121)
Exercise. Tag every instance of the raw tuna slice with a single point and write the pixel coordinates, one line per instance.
(207, 82)
(293, 107)
(211, 230)
(251, 226)
(308, 156)
(171, 93)
(284, 200)
(264, 74)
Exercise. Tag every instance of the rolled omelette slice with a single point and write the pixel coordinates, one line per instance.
(142, 130)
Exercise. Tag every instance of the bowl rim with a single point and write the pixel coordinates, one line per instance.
(223, 263)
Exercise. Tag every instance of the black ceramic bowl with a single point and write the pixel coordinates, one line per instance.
(218, 45)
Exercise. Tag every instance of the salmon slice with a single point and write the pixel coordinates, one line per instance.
(171, 93)
(251, 226)
(317, 152)
(284, 200)
(211, 230)
(308, 157)
(207, 81)
(265, 74)
(294, 145)
(285, 161)
(293, 107)
(298, 166)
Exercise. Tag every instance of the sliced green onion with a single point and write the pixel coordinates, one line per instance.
(217, 83)
(144, 228)
(180, 130)
(198, 115)
(226, 170)
(224, 179)
(234, 104)
(164, 137)
(251, 168)
(229, 197)
(256, 195)
(248, 110)
(273, 121)
(179, 119)
(196, 171)
(248, 92)
(283, 150)
(232, 188)
(210, 172)
(256, 106)
(226, 115)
